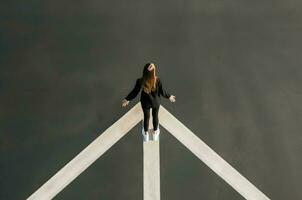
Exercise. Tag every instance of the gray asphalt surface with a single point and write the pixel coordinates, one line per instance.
(234, 67)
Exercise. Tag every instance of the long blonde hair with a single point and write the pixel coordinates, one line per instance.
(149, 78)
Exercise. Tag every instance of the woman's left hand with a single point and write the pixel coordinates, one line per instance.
(172, 98)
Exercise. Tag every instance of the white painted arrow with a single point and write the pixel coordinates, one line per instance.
(120, 128)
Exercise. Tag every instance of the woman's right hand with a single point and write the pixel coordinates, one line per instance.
(125, 102)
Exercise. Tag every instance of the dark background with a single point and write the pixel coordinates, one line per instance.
(234, 67)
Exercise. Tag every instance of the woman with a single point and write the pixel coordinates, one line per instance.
(150, 97)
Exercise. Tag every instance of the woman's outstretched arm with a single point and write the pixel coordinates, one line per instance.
(162, 91)
(134, 91)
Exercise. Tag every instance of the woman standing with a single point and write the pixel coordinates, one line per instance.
(150, 97)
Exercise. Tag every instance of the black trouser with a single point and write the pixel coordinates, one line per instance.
(154, 117)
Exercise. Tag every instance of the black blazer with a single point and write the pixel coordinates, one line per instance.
(151, 99)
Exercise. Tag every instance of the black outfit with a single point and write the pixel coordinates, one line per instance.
(147, 117)
(149, 100)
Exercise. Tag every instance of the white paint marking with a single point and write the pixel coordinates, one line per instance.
(209, 157)
(120, 128)
(87, 156)
(151, 166)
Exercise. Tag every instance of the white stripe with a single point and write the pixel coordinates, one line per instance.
(87, 156)
(209, 157)
(151, 166)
